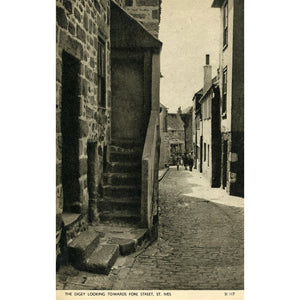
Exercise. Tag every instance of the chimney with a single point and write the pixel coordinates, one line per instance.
(207, 75)
(179, 111)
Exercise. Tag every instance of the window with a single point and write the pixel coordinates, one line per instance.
(101, 73)
(204, 152)
(225, 25)
(208, 155)
(224, 93)
(206, 109)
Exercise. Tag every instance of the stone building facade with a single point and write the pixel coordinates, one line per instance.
(164, 144)
(207, 124)
(83, 120)
(147, 12)
(196, 130)
(176, 136)
(87, 36)
(187, 117)
(232, 94)
(210, 134)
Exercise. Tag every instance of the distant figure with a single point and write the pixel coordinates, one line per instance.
(191, 162)
(178, 163)
(185, 161)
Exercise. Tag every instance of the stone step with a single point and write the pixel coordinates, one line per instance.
(122, 178)
(134, 149)
(120, 191)
(102, 259)
(117, 238)
(127, 237)
(125, 156)
(123, 167)
(125, 205)
(127, 144)
(83, 245)
(122, 217)
(131, 201)
(128, 245)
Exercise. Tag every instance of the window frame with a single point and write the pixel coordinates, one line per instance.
(225, 25)
(224, 92)
(101, 73)
(208, 155)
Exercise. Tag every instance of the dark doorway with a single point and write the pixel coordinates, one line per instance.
(104, 159)
(225, 155)
(92, 164)
(69, 127)
(201, 154)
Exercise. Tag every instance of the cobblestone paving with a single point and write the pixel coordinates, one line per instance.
(200, 243)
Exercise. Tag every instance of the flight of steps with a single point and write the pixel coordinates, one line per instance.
(119, 232)
(97, 249)
(122, 184)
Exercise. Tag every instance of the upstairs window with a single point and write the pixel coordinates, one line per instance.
(206, 109)
(208, 155)
(224, 93)
(101, 73)
(225, 25)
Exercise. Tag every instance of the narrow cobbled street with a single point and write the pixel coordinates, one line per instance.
(200, 243)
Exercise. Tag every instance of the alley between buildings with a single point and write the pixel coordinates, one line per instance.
(200, 243)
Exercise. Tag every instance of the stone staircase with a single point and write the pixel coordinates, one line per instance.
(122, 184)
(120, 233)
(97, 249)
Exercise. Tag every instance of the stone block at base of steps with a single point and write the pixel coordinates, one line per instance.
(128, 238)
(97, 249)
(102, 259)
(83, 245)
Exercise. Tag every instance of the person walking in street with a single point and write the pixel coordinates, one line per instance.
(178, 163)
(185, 161)
(191, 161)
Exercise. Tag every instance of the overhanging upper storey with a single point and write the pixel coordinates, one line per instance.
(217, 3)
(126, 32)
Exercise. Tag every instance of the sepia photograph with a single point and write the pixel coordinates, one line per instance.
(150, 145)
(124, 129)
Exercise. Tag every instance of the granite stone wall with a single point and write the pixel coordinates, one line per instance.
(79, 25)
(147, 12)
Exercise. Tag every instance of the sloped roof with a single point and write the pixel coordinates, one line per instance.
(198, 95)
(215, 80)
(126, 32)
(213, 87)
(188, 110)
(175, 122)
(217, 3)
(163, 106)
